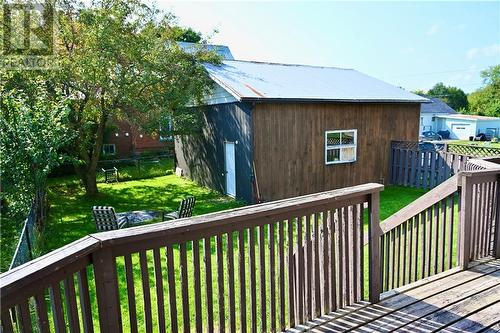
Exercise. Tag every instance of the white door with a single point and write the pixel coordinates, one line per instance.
(461, 131)
(230, 169)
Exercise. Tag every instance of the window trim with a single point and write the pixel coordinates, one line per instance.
(331, 147)
(109, 144)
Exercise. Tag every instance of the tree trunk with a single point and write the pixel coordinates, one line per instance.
(40, 207)
(88, 171)
(175, 156)
(88, 179)
(90, 183)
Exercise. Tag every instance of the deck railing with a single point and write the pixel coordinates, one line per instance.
(262, 268)
(449, 226)
(266, 267)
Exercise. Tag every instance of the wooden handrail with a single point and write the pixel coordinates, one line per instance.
(22, 280)
(419, 240)
(437, 194)
(327, 227)
(324, 216)
(481, 164)
(428, 199)
(124, 240)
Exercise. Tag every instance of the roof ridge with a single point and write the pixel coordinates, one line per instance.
(283, 64)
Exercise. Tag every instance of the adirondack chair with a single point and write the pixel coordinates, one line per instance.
(110, 175)
(185, 210)
(105, 219)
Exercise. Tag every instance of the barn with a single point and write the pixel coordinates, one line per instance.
(273, 131)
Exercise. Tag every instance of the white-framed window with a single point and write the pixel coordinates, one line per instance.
(108, 149)
(340, 146)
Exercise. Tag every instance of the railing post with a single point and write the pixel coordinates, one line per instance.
(497, 220)
(465, 219)
(374, 232)
(106, 283)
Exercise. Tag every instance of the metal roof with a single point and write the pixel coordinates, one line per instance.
(221, 50)
(436, 106)
(247, 80)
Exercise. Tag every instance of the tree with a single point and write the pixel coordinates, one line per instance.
(486, 100)
(420, 92)
(453, 96)
(185, 35)
(119, 59)
(33, 127)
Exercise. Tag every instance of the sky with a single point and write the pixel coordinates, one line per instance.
(409, 44)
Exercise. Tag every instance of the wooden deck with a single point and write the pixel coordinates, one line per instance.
(457, 301)
(287, 263)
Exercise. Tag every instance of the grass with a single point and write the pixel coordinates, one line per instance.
(476, 143)
(142, 170)
(70, 212)
(70, 219)
(393, 198)
(70, 209)
(10, 230)
(438, 256)
(68, 191)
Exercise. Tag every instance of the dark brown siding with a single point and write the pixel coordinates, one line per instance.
(201, 155)
(289, 151)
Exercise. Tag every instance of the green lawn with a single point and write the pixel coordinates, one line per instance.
(70, 215)
(68, 188)
(476, 143)
(10, 230)
(393, 198)
(70, 210)
(141, 170)
(70, 219)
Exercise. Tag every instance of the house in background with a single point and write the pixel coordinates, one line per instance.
(438, 116)
(124, 141)
(463, 126)
(274, 131)
(429, 111)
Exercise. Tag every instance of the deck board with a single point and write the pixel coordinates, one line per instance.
(465, 301)
(477, 321)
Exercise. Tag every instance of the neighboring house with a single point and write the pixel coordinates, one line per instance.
(274, 131)
(429, 111)
(126, 141)
(463, 126)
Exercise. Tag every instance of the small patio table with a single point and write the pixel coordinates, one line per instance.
(138, 217)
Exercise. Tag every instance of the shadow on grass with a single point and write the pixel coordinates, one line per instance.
(70, 209)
